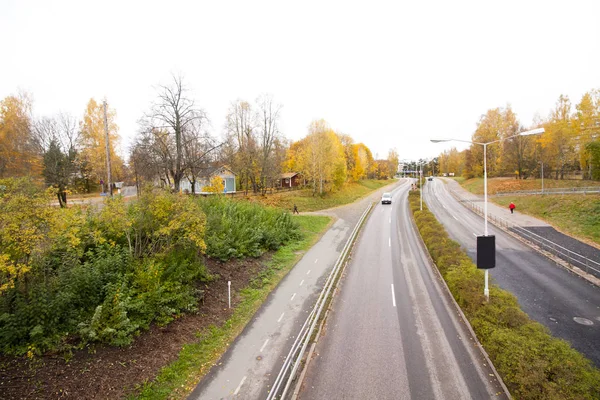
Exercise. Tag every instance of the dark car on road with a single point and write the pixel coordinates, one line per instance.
(386, 198)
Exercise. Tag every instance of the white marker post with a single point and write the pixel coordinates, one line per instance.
(229, 292)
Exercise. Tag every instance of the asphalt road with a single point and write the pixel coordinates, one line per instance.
(392, 332)
(251, 364)
(567, 304)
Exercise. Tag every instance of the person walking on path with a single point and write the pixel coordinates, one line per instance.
(295, 210)
(512, 207)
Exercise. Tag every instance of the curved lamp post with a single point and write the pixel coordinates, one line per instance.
(486, 290)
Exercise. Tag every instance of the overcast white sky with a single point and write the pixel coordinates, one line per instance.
(389, 73)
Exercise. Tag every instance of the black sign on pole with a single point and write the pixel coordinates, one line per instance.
(486, 252)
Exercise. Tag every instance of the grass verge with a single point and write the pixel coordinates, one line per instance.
(576, 215)
(305, 201)
(532, 363)
(497, 185)
(195, 359)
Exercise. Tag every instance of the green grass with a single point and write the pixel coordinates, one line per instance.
(305, 201)
(575, 214)
(195, 359)
(458, 179)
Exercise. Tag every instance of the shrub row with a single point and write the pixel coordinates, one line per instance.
(532, 363)
(78, 275)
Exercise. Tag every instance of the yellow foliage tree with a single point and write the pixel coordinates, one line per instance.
(93, 143)
(216, 185)
(321, 159)
(19, 153)
(25, 219)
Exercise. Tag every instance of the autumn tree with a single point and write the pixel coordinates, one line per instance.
(58, 137)
(20, 154)
(172, 116)
(242, 149)
(92, 143)
(254, 142)
(587, 131)
(558, 141)
(382, 171)
(199, 149)
(270, 140)
(393, 162)
(322, 160)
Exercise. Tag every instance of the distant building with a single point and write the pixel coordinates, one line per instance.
(290, 179)
(223, 172)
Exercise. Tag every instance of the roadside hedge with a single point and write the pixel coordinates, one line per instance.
(532, 363)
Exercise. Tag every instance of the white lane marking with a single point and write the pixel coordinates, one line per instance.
(390, 220)
(455, 217)
(443, 206)
(302, 282)
(280, 317)
(475, 234)
(390, 242)
(239, 386)
(263, 346)
(294, 295)
(393, 296)
(308, 272)
(316, 260)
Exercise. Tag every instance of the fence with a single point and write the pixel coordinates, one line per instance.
(574, 190)
(571, 257)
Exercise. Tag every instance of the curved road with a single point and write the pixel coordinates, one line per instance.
(548, 293)
(392, 332)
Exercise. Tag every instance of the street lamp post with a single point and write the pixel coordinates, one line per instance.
(542, 176)
(421, 184)
(486, 290)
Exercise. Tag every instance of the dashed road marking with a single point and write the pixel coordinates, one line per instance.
(390, 242)
(301, 282)
(280, 317)
(263, 346)
(393, 296)
(316, 260)
(308, 272)
(294, 295)
(239, 386)
(455, 217)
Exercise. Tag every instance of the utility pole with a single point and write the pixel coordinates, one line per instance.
(107, 150)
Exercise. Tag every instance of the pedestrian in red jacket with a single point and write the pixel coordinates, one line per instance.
(512, 207)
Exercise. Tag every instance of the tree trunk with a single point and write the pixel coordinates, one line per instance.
(60, 200)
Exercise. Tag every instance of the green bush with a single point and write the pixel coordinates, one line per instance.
(87, 275)
(73, 275)
(241, 229)
(532, 363)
